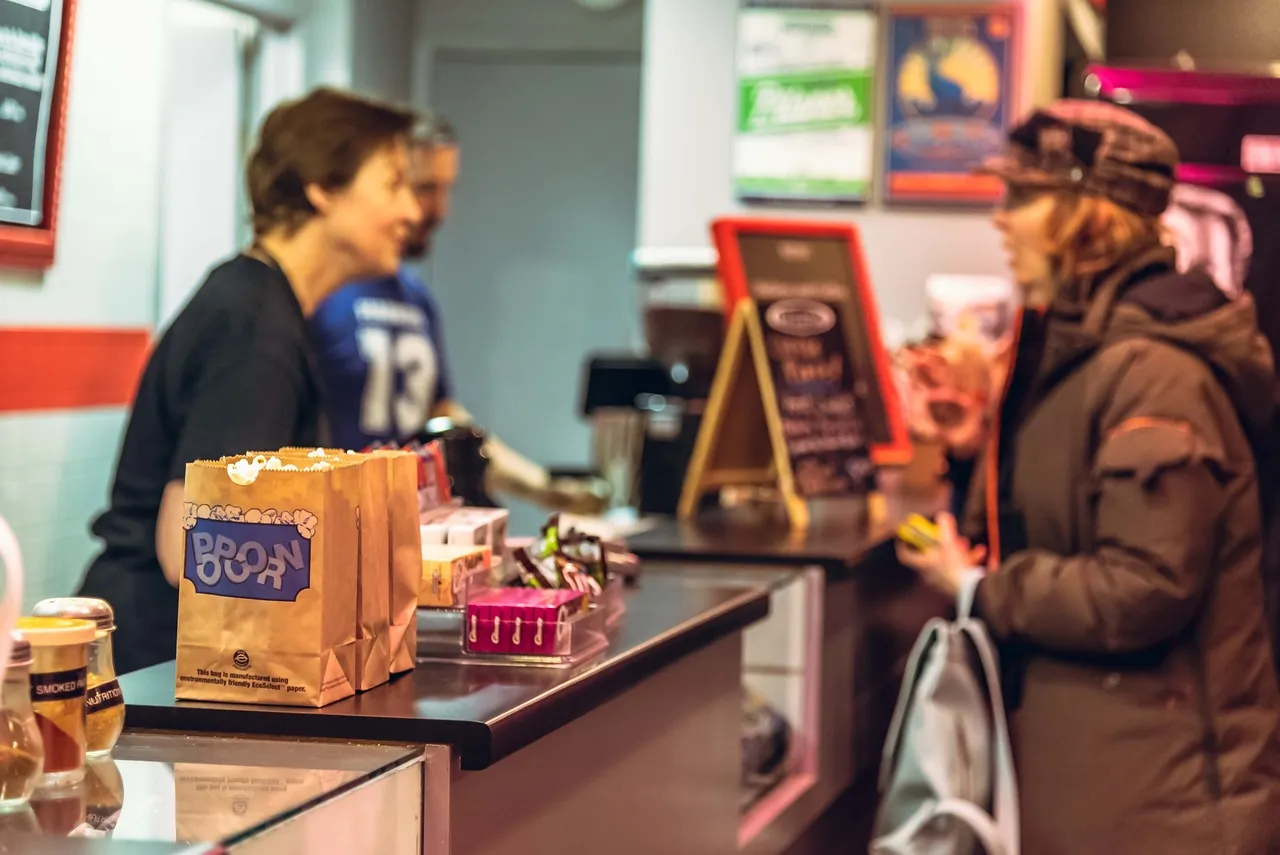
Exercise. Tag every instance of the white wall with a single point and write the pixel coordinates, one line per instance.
(520, 26)
(531, 25)
(382, 35)
(686, 144)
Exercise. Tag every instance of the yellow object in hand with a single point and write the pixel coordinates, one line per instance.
(918, 532)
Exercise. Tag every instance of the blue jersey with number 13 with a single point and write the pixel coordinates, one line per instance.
(381, 356)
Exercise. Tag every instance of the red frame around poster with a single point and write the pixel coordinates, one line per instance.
(725, 231)
(32, 247)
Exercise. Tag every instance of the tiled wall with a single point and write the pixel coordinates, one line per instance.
(54, 466)
(53, 487)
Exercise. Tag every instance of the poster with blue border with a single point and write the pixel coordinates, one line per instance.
(951, 92)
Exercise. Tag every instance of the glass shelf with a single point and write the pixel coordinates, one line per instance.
(209, 794)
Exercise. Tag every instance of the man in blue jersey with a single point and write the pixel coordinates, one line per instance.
(379, 343)
(380, 348)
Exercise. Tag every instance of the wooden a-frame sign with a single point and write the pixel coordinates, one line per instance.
(740, 441)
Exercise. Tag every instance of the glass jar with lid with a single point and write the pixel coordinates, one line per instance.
(59, 670)
(21, 750)
(103, 702)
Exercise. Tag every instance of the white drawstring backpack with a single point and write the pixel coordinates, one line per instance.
(947, 782)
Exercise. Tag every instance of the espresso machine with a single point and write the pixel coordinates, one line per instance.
(645, 409)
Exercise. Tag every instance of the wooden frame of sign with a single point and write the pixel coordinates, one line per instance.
(741, 441)
(33, 124)
(802, 398)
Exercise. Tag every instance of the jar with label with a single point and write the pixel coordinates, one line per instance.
(59, 672)
(21, 752)
(103, 703)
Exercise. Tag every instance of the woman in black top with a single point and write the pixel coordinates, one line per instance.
(234, 371)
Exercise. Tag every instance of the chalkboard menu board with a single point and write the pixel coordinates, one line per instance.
(30, 43)
(801, 406)
(821, 332)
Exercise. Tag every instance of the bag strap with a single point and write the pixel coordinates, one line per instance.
(11, 603)
(903, 840)
(1004, 800)
(911, 676)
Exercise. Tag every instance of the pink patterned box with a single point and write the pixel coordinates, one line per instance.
(521, 620)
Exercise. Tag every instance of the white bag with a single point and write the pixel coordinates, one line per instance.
(947, 782)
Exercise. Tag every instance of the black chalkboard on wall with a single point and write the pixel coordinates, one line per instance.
(30, 44)
(35, 70)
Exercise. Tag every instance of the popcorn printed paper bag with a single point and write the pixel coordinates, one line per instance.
(267, 604)
(404, 546)
(373, 607)
(405, 540)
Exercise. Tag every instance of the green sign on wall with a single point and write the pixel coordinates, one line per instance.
(805, 108)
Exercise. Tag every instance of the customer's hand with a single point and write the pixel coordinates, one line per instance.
(943, 566)
(584, 496)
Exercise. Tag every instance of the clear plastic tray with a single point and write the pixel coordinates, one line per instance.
(442, 638)
(614, 601)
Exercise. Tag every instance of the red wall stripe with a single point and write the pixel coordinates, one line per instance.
(56, 368)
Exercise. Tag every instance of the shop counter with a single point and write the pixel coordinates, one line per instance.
(162, 794)
(634, 752)
(831, 655)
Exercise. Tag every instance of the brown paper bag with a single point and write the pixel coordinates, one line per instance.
(406, 556)
(267, 599)
(373, 606)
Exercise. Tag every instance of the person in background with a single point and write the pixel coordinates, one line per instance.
(328, 182)
(381, 353)
(1119, 513)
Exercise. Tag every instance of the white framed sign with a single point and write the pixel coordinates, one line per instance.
(806, 88)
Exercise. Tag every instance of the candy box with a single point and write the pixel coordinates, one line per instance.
(449, 572)
(435, 532)
(487, 616)
(467, 530)
(487, 526)
(521, 620)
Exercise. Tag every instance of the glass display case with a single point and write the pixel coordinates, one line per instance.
(782, 682)
(220, 794)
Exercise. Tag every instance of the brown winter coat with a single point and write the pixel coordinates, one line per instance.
(1128, 598)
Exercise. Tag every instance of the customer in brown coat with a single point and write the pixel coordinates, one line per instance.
(1118, 511)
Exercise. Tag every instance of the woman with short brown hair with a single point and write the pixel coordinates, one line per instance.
(234, 371)
(1118, 509)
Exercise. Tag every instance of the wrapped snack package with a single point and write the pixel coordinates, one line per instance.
(544, 565)
(267, 603)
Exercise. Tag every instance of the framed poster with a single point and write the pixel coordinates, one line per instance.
(817, 310)
(806, 73)
(951, 92)
(34, 76)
